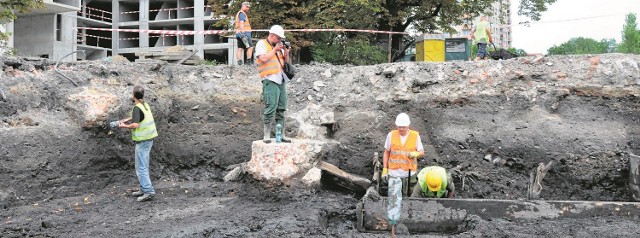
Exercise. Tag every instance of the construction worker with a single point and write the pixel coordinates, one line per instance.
(143, 133)
(271, 54)
(243, 35)
(434, 182)
(402, 149)
(481, 34)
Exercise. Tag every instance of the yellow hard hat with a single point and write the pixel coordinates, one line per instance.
(433, 180)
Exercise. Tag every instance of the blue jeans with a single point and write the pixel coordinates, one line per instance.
(142, 166)
(482, 50)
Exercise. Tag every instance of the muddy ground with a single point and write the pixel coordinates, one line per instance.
(490, 123)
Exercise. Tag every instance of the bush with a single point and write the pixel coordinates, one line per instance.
(348, 51)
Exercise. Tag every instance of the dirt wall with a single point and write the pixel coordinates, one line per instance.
(490, 123)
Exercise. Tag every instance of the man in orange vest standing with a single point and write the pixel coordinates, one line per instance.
(402, 149)
(271, 54)
(243, 35)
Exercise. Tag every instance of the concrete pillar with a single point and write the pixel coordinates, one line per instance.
(634, 177)
(231, 52)
(115, 36)
(67, 41)
(198, 25)
(9, 28)
(144, 24)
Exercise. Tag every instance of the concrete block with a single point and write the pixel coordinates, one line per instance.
(282, 162)
(312, 178)
(234, 175)
(91, 107)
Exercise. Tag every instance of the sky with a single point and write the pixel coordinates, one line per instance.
(566, 19)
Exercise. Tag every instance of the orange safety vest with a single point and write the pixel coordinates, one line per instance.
(272, 66)
(399, 155)
(247, 25)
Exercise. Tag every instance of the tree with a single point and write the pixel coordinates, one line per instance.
(8, 8)
(385, 15)
(533, 8)
(518, 52)
(630, 36)
(581, 45)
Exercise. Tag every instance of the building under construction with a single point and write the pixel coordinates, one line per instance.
(103, 28)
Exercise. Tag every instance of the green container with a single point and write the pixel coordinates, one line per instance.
(457, 49)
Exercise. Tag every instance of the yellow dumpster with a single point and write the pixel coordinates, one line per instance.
(430, 48)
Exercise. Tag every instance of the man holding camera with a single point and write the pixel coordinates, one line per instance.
(243, 35)
(143, 132)
(271, 54)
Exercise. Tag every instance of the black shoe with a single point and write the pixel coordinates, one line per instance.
(145, 197)
(266, 141)
(285, 140)
(240, 62)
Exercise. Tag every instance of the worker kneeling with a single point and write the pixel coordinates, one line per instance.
(434, 182)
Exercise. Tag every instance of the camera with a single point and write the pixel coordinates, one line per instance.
(286, 44)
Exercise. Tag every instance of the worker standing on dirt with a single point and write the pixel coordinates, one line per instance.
(481, 34)
(402, 149)
(243, 35)
(144, 130)
(271, 54)
(434, 182)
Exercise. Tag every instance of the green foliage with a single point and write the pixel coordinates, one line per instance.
(581, 45)
(630, 36)
(474, 50)
(534, 8)
(397, 15)
(210, 62)
(518, 52)
(341, 50)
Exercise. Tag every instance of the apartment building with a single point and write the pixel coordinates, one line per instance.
(103, 28)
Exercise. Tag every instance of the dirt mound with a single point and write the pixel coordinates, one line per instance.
(490, 123)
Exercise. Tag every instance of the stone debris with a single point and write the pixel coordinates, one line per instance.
(235, 174)
(92, 107)
(283, 162)
(312, 178)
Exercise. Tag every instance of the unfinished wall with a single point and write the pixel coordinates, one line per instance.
(35, 35)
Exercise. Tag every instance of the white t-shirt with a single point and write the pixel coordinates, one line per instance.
(387, 146)
(261, 49)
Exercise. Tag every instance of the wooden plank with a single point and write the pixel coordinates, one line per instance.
(349, 181)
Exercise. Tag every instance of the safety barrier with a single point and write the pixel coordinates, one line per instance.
(164, 9)
(218, 32)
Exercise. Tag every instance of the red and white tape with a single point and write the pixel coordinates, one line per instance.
(165, 32)
(94, 36)
(218, 32)
(164, 9)
(95, 9)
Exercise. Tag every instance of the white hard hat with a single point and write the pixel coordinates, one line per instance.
(403, 120)
(277, 29)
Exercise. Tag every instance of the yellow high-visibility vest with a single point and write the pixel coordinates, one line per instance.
(147, 127)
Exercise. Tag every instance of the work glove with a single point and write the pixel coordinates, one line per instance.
(414, 155)
(385, 175)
